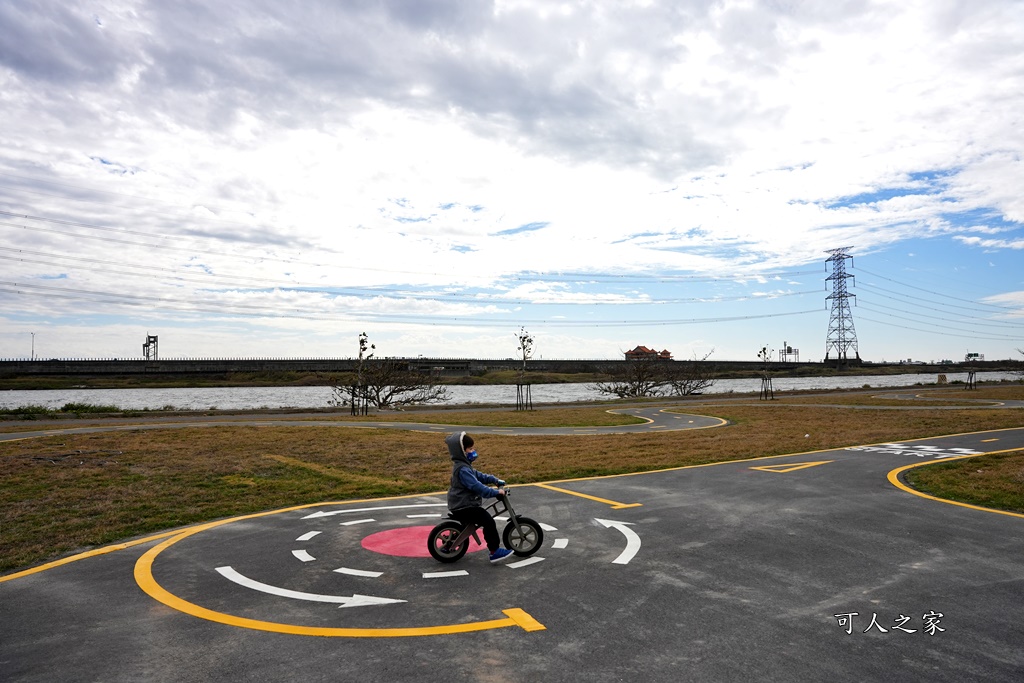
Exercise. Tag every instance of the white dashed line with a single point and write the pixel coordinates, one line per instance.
(358, 572)
(560, 543)
(303, 555)
(307, 536)
(444, 575)
(357, 521)
(525, 563)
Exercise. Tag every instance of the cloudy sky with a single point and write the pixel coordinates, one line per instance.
(271, 178)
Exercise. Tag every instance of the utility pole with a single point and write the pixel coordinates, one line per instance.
(33, 345)
(842, 337)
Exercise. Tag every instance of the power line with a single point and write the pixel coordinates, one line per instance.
(927, 291)
(945, 334)
(940, 327)
(989, 323)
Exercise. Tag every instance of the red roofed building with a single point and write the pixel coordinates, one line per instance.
(644, 353)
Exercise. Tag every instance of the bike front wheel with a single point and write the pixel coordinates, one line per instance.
(441, 542)
(524, 538)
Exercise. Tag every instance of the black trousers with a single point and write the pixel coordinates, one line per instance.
(483, 519)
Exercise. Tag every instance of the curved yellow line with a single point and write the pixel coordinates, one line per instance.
(721, 420)
(89, 553)
(144, 578)
(893, 477)
(622, 412)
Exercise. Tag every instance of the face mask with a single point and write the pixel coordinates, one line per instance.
(471, 455)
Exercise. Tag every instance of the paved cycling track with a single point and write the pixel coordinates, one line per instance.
(803, 567)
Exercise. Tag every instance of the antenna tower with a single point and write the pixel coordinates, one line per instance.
(841, 335)
(149, 349)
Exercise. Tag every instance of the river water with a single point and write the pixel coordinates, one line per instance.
(250, 398)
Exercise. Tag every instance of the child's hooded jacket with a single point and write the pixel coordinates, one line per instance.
(468, 486)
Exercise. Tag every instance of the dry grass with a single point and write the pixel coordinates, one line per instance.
(64, 493)
(1010, 392)
(995, 481)
(503, 417)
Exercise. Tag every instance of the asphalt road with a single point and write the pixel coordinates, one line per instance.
(776, 569)
(655, 418)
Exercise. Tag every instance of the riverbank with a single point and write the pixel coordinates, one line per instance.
(36, 382)
(206, 399)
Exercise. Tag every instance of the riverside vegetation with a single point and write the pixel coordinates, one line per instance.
(69, 492)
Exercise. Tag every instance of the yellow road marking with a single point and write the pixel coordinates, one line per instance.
(895, 481)
(91, 553)
(144, 578)
(523, 619)
(791, 467)
(615, 505)
(988, 440)
(101, 551)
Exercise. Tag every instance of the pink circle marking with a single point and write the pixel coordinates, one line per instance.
(410, 541)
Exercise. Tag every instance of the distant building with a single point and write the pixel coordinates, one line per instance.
(644, 353)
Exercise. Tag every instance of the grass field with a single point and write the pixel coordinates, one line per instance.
(65, 493)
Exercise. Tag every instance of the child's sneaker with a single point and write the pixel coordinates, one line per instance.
(500, 555)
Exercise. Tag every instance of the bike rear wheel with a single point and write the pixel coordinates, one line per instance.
(523, 539)
(441, 542)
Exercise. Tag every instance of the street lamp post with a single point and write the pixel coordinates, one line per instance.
(33, 345)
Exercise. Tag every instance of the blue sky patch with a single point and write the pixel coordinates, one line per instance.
(528, 227)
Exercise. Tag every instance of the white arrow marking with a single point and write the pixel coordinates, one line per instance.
(303, 555)
(342, 600)
(632, 540)
(387, 507)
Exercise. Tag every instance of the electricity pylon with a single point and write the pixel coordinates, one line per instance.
(842, 337)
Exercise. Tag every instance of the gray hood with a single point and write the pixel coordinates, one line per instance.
(455, 448)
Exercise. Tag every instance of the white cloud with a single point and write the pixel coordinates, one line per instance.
(404, 145)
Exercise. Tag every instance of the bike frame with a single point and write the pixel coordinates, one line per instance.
(498, 507)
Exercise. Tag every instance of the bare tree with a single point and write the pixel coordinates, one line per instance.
(364, 346)
(391, 383)
(684, 378)
(649, 377)
(767, 391)
(524, 394)
(525, 347)
(386, 383)
(636, 379)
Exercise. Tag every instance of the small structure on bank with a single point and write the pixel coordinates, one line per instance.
(644, 353)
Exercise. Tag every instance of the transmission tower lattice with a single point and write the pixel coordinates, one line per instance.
(841, 335)
(149, 349)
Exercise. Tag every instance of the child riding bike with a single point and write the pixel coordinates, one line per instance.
(467, 491)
